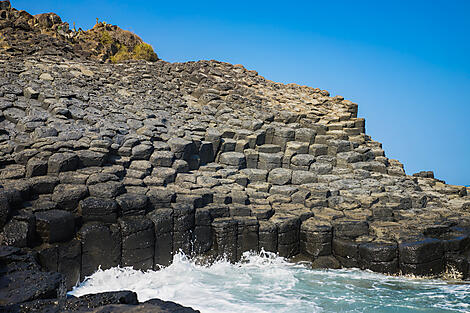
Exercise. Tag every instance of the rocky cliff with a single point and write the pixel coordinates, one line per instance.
(125, 164)
(46, 35)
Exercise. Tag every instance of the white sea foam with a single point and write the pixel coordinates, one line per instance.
(267, 283)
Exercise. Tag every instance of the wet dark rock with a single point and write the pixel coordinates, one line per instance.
(225, 232)
(163, 225)
(346, 252)
(350, 228)
(138, 242)
(183, 226)
(326, 262)
(101, 246)
(21, 279)
(55, 225)
(99, 299)
(5, 209)
(415, 252)
(315, 238)
(378, 252)
(268, 236)
(132, 204)
(98, 209)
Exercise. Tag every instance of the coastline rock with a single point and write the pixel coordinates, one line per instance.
(105, 164)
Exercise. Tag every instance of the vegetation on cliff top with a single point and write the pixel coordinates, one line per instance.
(20, 32)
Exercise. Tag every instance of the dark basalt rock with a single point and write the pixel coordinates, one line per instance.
(21, 280)
(55, 225)
(96, 300)
(378, 252)
(19, 231)
(98, 209)
(101, 247)
(115, 301)
(347, 252)
(132, 204)
(183, 226)
(4, 209)
(62, 162)
(163, 225)
(138, 242)
(422, 257)
(421, 251)
(107, 165)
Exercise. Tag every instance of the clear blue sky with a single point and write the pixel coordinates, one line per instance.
(406, 63)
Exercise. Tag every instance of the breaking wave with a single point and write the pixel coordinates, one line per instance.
(265, 282)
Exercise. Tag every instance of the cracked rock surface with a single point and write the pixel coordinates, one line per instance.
(125, 164)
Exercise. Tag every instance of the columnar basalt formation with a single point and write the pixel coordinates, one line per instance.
(126, 164)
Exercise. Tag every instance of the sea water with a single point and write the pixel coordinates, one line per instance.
(267, 283)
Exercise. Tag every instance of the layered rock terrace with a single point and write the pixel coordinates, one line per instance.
(126, 164)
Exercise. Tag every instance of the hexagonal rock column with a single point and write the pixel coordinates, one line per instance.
(235, 159)
(98, 209)
(138, 242)
(55, 225)
(247, 237)
(64, 258)
(225, 230)
(288, 234)
(101, 247)
(268, 236)
(315, 238)
(62, 162)
(131, 204)
(183, 226)
(346, 252)
(422, 257)
(163, 224)
(182, 148)
(379, 257)
(202, 231)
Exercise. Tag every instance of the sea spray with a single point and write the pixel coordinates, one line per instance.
(265, 282)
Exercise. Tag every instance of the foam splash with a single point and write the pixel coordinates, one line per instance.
(265, 282)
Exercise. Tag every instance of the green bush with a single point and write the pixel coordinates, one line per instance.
(106, 38)
(122, 55)
(144, 51)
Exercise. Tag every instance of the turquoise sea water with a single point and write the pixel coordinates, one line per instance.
(267, 283)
